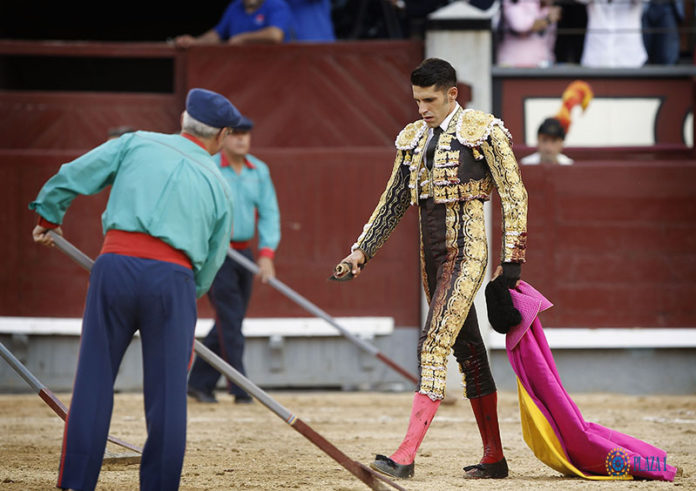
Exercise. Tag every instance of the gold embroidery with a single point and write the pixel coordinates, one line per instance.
(440, 158)
(467, 191)
(473, 127)
(513, 195)
(409, 136)
(424, 273)
(453, 157)
(418, 170)
(461, 277)
(445, 141)
(389, 210)
(438, 173)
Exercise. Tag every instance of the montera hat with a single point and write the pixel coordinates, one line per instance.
(502, 313)
(245, 124)
(212, 109)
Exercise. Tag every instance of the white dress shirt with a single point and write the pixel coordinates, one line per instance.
(535, 159)
(613, 37)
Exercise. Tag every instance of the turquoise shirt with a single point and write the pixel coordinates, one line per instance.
(253, 193)
(163, 185)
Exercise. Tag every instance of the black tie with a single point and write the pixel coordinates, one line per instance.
(432, 145)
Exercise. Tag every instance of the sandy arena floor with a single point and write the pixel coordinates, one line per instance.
(249, 447)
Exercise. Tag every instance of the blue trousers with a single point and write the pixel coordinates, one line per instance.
(662, 47)
(127, 294)
(229, 296)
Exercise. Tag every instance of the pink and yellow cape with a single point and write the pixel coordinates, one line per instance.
(552, 424)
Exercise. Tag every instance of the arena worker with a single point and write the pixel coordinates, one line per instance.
(167, 226)
(256, 208)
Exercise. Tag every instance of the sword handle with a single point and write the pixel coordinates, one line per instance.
(343, 272)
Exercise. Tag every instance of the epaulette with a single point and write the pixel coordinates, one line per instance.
(407, 138)
(474, 127)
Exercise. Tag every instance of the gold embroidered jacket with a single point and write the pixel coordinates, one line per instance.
(472, 157)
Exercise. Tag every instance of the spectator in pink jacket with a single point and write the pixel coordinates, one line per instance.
(528, 33)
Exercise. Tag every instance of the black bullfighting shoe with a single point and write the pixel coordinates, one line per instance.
(496, 470)
(387, 466)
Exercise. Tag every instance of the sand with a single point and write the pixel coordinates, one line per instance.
(248, 447)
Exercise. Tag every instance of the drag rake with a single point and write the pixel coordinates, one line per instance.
(310, 307)
(368, 476)
(49, 397)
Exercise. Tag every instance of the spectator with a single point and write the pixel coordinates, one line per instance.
(312, 20)
(550, 138)
(255, 206)
(613, 38)
(662, 15)
(247, 22)
(528, 33)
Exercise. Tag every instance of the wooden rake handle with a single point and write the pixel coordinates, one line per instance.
(49, 397)
(370, 477)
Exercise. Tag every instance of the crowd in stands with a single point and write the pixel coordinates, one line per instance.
(528, 33)
(535, 33)
(605, 33)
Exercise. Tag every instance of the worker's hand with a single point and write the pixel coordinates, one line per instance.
(40, 235)
(356, 259)
(184, 41)
(266, 269)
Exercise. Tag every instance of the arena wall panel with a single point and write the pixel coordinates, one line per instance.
(611, 238)
(602, 262)
(611, 243)
(59, 120)
(343, 95)
(325, 197)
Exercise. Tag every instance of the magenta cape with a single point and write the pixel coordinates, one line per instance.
(552, 424)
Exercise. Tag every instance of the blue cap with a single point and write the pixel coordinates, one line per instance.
(245, 124)
(211, 108)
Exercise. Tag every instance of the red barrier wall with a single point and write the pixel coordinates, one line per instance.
(61, 120)
(333, 110)
(611, 243)
(308, 96)
(318, 228)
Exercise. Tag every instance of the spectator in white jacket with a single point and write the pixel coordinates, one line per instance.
(614, 37)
